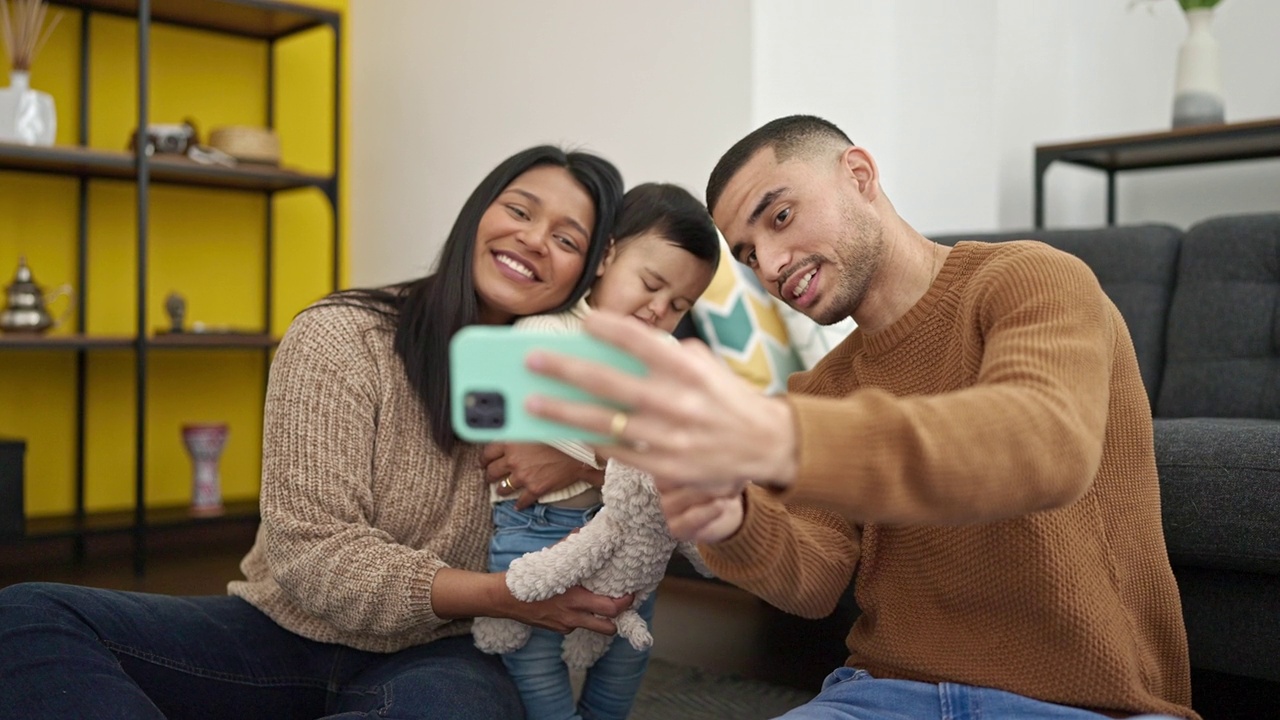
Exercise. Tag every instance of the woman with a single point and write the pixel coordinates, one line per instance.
(375, 518)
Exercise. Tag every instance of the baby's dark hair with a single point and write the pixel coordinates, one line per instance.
(672, 212)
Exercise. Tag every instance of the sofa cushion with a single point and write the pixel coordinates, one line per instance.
(737, 319)
(1135, 266)
(1220, 491)
(1223, 355)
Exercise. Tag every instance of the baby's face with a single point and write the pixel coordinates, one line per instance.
(652, 280)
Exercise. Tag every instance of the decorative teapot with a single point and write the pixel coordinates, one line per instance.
(26, 310)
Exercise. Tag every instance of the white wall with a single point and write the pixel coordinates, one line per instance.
(949, 97)
(442, 91)
(909, 80)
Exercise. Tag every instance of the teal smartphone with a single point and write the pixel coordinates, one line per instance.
(490, 382)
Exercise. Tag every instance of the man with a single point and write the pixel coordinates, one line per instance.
(983, 440)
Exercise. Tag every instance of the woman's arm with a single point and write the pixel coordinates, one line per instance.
(463, 594)
(319, 536)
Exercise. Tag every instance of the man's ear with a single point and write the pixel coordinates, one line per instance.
(607, 260)
(858, 165)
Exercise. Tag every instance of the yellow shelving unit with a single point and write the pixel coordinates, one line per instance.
(100, 402)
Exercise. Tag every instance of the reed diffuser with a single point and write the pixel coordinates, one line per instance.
(24, 30)
(26, 116)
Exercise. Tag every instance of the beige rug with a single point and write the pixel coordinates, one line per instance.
(675, 692)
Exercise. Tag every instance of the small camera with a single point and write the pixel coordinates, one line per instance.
(485, 410)
(169, 139)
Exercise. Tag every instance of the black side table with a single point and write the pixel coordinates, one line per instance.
(1184, 146)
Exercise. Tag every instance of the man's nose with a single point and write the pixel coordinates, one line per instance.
(770, 264)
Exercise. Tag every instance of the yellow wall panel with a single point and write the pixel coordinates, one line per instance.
(38, 390)
(109, 421)
(212, 79)
(303, 253)
(112, 252)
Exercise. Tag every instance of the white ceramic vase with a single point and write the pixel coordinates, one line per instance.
(27, 116)
(1197, 98)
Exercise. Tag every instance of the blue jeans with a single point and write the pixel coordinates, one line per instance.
(74, 652)
(612, 683)
(852, 694)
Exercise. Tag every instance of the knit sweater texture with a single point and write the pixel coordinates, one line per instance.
(988, 459)
(360, 508)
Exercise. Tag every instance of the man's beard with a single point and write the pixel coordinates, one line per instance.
(858, 252)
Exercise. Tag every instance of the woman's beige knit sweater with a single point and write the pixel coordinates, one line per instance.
(992, 450)
(359, 506)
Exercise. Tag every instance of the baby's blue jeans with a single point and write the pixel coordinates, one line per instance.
(543, 679)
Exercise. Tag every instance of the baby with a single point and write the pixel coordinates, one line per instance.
(662, 259)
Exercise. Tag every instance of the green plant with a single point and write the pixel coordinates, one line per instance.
(1186, 4)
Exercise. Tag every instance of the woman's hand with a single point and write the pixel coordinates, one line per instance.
(577, 607)
(464, 594)
(534, 470)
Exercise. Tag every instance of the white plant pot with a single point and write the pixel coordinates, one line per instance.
(1197, 97)
(27, 116)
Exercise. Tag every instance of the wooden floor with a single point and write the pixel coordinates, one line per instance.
(699, 623)
(710, 625)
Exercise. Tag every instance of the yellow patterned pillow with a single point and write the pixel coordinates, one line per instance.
(738, 320)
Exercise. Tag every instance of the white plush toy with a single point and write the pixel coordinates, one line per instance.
(623, 549)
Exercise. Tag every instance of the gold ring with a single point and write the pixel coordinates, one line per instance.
(618, 425)
(506, 484)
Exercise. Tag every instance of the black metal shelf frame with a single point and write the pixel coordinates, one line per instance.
(1228, 142)
(266, 20)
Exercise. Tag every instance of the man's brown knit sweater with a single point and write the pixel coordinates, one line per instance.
(993, 452)
(359, 507)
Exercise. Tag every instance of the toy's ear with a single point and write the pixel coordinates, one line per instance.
(646, 484)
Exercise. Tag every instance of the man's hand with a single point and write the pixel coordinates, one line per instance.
(534, 470)
(692, 421)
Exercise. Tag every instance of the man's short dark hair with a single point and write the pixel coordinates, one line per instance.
(672, 212)
(788, 137)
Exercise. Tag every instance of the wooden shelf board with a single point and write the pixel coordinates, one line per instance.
(250, 18)
(1183, 146)
(122, 520)
(200, 341)
(196, 341)
(174, 170)
(63, 342)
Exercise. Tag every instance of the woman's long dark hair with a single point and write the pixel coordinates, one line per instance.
(428, 311)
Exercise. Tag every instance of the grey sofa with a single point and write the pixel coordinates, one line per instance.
(1203, 308)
